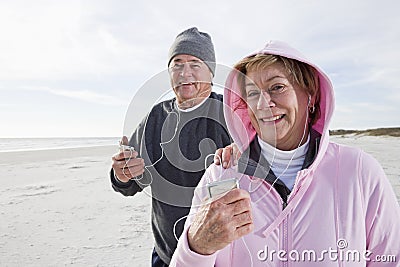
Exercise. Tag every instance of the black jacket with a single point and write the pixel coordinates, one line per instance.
(175, 146)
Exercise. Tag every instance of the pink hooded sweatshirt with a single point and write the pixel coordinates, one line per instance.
(342, 210)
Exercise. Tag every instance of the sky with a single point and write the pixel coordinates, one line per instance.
(73, 68)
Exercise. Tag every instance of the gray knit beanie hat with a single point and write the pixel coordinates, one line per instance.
(195, 43)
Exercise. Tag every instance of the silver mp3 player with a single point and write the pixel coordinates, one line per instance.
(126, 148)
(221, 187)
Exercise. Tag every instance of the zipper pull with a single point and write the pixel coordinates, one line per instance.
(284, 205)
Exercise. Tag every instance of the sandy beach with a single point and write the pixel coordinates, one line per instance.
(58, 209)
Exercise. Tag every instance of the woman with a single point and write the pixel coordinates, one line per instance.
(303, 200)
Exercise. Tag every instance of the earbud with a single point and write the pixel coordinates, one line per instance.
(309, 100)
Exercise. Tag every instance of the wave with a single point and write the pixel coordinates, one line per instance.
(29, 144)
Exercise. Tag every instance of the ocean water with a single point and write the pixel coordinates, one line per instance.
(29, 144)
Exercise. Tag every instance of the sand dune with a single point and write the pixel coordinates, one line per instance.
(58, 209)
(394, 131)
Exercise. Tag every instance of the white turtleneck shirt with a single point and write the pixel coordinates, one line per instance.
(285, 164)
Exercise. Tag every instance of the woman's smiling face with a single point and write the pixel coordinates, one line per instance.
(278, 108)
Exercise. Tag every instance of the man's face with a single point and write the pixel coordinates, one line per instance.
(190, 79)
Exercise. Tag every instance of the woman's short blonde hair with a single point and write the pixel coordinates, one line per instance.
(300, 73)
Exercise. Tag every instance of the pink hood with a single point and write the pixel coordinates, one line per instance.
(237, 119)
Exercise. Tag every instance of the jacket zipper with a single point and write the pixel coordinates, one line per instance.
(285, 237)
(285, 230)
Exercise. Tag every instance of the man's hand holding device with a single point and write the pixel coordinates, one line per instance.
(126, 163)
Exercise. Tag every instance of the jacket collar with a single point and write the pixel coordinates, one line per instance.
(253, 163)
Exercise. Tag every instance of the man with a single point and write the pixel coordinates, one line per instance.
(173, 142)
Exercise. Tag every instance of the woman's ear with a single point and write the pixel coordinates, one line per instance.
(311, 100)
